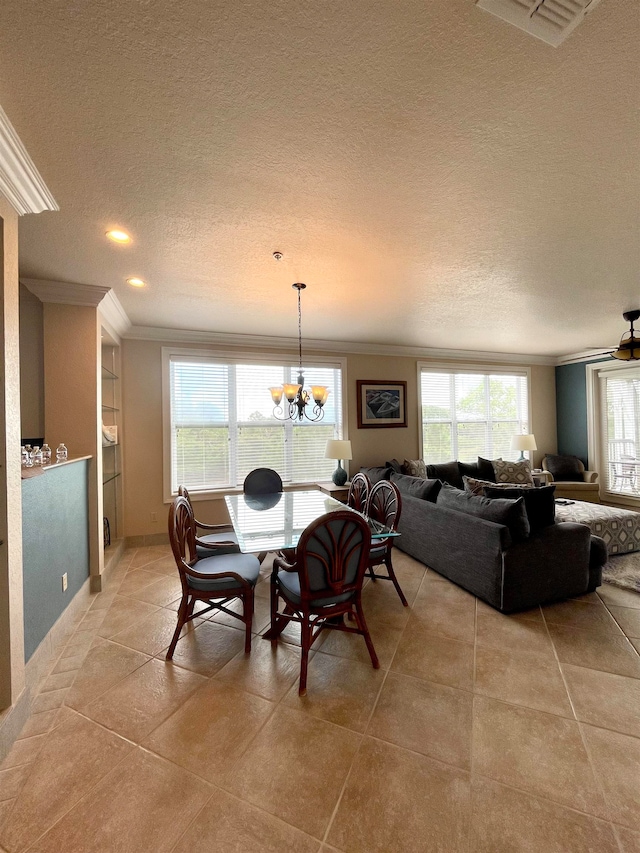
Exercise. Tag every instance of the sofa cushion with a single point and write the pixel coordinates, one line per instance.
(448, 472)
(485, 469)
(417, 487)
(540, 503)
(565, 468)
(376, 474)
(414, 468)
(511, 513)
(394, 465)
(518, 473)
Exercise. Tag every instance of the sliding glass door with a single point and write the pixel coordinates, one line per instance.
(620, 430)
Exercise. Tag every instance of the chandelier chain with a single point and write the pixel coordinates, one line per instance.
(299, 331)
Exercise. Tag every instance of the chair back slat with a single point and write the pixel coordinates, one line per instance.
(182, 531)
(332, 554)
(359, 492)
(385, 504)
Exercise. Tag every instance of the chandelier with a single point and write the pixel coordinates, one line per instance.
(296, 398)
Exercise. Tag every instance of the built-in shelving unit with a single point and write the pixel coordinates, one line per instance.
(111, 450)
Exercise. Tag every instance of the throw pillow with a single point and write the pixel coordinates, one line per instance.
(394, 465)
(540, 503)
(565, 468)
(511, 513)
(416, 487)
(469, 469)
(448, 472)
(479, 487)
(415, 468)
(518, 473)
(485, 469)
(376, 474)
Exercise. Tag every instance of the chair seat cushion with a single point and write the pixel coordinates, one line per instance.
(377, 552)
(218, 537)
(290, 584)
(245, 565)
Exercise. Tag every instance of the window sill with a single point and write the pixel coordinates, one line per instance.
(622, 501)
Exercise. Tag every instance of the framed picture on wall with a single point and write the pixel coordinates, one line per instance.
(381, 404)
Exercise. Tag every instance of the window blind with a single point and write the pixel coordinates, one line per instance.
(621, 430)
(222, 424)
(466, 414)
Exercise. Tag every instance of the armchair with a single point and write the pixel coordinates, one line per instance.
(571, 479)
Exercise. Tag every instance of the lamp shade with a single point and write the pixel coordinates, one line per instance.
(524, 442)
(338, 449)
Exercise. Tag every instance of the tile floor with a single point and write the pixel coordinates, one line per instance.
(480, 732)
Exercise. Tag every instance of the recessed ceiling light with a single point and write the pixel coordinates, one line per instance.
(136, 282)
(118, 236)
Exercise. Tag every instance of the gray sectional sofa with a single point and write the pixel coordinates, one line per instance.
(503, 566)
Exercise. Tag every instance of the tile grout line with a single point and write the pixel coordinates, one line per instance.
(85, 794)
(585, 746)
(55, 659)
(619, 625)
(472, 772)
(556, 803)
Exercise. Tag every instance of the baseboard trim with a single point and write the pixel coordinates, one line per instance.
(146, 540)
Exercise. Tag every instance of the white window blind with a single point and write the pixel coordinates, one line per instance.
(620, 392)
(222, 424)
(466, 414)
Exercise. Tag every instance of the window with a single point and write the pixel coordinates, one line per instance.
(620, 430)
(468, 413)
(221, 423)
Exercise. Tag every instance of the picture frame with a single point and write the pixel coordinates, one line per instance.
(381, 405)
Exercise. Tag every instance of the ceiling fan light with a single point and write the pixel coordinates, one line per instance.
(628, 349)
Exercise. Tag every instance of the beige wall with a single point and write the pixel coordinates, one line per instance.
(73, 402)
(12, 679)
(31, 365)
(142, 427)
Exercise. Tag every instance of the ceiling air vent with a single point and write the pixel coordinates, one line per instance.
(549, 20)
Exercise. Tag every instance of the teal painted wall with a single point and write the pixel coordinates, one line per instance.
(571, 409)
(55, 540)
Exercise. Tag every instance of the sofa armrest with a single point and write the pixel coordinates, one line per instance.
(590, 476)
(550, 565)
(597, 559)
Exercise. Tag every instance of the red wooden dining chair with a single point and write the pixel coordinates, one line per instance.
(384, 506)
(224, 541)
(216, 580)
(323, 583)
(359, 492)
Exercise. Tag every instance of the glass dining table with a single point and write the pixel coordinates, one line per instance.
(275, 522)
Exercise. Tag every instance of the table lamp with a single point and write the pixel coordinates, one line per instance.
(522, 443)
(338, 449)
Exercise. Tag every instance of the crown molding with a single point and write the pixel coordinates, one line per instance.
(154, 333)
(65, 292)
(583, 355)
(114, 315)
(20, 181)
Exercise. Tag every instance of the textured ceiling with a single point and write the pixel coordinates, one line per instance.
(436, 176)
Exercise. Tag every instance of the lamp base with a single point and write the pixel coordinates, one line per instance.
(339, 476)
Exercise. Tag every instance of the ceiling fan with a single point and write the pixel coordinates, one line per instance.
(629, 346)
